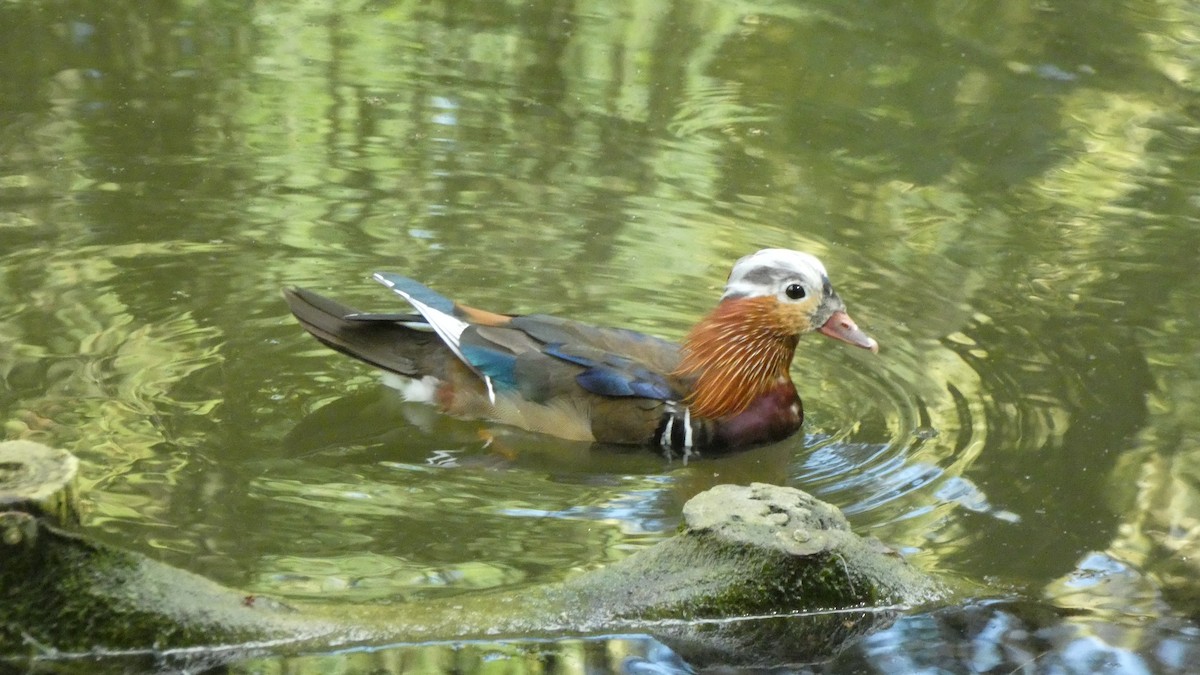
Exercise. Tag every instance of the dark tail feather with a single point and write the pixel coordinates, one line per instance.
(378, 339)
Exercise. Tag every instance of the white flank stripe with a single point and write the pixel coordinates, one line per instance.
(687, 427)
(491, 391)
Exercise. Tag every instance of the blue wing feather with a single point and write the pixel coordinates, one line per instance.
(608, 382)
(611, 375)
(558, 350)
(419, 291)
(495, 364)
(652, 385)
(605, 382)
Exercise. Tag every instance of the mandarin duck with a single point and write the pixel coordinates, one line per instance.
(726, 386)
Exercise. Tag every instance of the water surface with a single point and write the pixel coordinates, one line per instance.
(1006, 200)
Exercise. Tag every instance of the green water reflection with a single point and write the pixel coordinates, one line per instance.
(1005, 196)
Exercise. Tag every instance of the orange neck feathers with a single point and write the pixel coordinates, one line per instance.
(738, 352)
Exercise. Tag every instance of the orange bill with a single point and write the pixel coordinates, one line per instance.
(841, 327)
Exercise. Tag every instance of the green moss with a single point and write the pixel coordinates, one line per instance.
(754, 584)
(74, 595)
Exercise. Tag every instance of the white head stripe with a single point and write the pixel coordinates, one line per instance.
(760, 273)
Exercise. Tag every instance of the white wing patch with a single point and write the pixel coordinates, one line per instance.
(448, 327)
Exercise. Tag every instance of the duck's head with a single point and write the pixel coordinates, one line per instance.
(744, 347)
(792, 290)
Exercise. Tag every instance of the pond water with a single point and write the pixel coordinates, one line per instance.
(1008, 198)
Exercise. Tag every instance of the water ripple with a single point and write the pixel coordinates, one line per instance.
(892, 435)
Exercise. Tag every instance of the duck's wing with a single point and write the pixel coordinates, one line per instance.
(540, 356)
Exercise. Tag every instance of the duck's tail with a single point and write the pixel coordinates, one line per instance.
(399, 343)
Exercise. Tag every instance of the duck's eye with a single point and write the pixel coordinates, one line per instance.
(795, 291)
